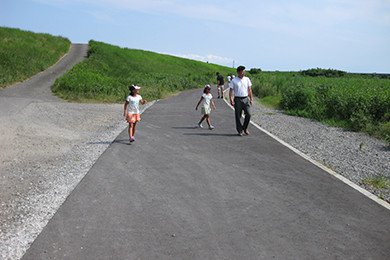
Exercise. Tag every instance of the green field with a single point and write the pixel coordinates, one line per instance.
(24, 54)
(106, 75)
(355, 102)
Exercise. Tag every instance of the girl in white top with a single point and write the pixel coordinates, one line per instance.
(132, 112)
(206, 100)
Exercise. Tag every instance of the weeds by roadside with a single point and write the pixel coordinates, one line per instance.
(355, 102)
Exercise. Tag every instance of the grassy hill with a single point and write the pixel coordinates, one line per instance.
(106, 75)
(24, 54)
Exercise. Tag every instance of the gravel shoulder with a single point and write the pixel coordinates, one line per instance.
(47, 149)
(355, 156)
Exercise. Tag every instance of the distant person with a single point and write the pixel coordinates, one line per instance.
(220, 84)
(241, 88)
(229, 79)
(132, 112)
(206, 100)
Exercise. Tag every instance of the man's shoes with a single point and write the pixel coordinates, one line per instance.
(240, 134)
(246, 131)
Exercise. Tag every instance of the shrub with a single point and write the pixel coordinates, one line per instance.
(254, 71)
(354, 102)
(329, 73)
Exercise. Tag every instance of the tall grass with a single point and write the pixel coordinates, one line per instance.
(109, 70)
(24, 54)
(355, 102)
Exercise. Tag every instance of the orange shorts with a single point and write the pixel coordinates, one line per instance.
(133, 118)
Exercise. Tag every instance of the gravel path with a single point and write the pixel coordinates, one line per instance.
(355, 156)
(46, 150)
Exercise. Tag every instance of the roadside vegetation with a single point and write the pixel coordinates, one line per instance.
(357, 102)
(380, 184)
(106, 75)
(352, 101)
(24, 54)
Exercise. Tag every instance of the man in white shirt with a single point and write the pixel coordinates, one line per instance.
(241, 88)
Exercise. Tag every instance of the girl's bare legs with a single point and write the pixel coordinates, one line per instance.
(132, 129)
(201, 120)
(208, 119)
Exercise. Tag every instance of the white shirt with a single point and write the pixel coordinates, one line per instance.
(206, 99)
(240, 86)
(133, 106)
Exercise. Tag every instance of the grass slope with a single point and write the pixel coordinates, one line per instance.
(24, 54)
(106, 75)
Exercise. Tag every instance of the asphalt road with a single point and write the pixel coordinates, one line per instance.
(180, 192)
(14, 98)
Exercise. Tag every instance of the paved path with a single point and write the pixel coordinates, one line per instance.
(180, 192)
(13, 99)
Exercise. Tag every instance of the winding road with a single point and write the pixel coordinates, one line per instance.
(14, 98)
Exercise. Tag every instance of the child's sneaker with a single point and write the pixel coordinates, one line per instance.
(200, 125)
(211, 127)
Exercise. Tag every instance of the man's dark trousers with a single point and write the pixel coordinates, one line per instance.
(240, 104)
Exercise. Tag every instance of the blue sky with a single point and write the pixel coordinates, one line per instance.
(285, 35)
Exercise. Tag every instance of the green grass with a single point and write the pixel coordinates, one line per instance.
(270, 101)
(24, 54)
(106, 75)
(355, 102)
(380, 182)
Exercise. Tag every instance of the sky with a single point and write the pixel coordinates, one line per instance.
(283, 35)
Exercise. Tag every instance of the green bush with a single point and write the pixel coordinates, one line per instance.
(355, 102)
(329, 73)
(254, 71)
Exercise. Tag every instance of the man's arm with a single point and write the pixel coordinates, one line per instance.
(231, 96)
(250, 95)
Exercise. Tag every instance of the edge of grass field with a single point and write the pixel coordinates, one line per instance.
(321, 166)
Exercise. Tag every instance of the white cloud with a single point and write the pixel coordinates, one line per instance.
(210, 58)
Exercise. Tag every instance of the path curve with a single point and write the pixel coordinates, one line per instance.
(38, 88)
